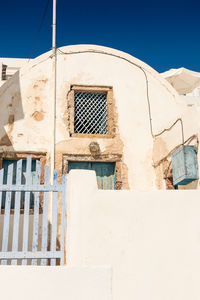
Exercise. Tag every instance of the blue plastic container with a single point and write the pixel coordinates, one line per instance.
(184, 165)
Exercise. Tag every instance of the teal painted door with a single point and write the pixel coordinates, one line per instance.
(105, 172)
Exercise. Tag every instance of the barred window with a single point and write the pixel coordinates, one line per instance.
(90, 113)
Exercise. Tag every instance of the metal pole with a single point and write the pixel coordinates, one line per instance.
(54, 61)
(54, 28)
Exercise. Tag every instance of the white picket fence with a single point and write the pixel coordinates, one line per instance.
(48, 252)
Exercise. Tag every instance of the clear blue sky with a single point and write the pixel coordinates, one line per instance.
(164, 34)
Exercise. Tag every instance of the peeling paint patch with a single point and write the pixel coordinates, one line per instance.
(38, 116)
(40, 83)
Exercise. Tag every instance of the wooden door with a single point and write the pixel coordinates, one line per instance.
(105, 172)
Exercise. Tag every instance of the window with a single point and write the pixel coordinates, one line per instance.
(7, 72)
(91, 111)
(3, 75)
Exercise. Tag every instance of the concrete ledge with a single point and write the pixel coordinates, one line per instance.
(42, 283)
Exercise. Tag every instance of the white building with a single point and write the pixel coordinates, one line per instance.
(136, 105)
(139, 244)
(186, 83)
(9, 66)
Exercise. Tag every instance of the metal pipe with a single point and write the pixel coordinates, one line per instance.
(54, 69)
(54, 62)
(54, 28)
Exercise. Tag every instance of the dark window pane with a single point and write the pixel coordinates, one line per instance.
(90, 113)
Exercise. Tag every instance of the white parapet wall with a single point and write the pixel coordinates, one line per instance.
(52, 283)
(151, 239)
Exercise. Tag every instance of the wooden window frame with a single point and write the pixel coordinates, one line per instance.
(110, 114)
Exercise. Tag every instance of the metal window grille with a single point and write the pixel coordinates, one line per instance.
(90, 113)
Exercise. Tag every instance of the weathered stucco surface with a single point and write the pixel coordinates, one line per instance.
(151, 239)
(27, 101)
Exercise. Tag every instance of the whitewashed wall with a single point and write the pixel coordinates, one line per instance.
(151, 239)
(42, 283)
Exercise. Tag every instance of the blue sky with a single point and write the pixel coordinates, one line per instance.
(164, 34)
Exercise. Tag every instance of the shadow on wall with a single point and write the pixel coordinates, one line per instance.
(10, 112)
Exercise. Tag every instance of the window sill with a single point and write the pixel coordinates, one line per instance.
(88, 135)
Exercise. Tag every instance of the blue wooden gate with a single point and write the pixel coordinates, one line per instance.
(45, 193)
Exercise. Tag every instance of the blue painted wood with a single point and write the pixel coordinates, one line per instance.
(184, 165)
(16, 212)
(54, 217)
(105, 172)
(31, 188)
(85, 165)
(7, 215)
(36, 212)
(1, 182)
(62, 235)
(45, 217)
(26, 210)
(30, 254)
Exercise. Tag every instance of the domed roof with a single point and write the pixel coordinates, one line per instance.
(102, 50)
